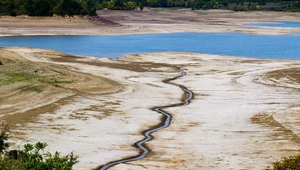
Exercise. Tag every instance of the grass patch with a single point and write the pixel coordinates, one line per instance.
(156, 10)
(289, 163)
(32, 89)
(164, 9)
(15, 78)
(199, 12)
(25, 77)
(56, 83)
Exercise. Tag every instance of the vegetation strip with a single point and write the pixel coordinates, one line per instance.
(166, 121)
(90, 7)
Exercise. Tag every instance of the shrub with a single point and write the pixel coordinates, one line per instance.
(130, 5)
(292, 163)
(1, 63)
(32, 89)
(141, 6)
(32, 157)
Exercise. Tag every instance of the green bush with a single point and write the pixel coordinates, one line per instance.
(39, 8)
(3, 144)
(48, 7)
(33, 157)
(290, 163)
(141, 6)
(130, 5)
(1, 63)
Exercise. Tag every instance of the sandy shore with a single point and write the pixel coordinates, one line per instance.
(243, 115)
(154, 20)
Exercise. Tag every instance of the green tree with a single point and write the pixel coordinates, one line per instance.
(8, 7)
(111, 4)
(131, 5)
(41, 8)
(153, 3)
(141, 6)
(69, 7)
(198, 4)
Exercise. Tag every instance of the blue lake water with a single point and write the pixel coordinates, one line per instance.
(233, 44)
(277, 24)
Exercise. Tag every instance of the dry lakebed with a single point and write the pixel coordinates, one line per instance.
(174, 110)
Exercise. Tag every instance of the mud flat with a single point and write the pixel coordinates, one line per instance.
(244, 114)
(154, 20)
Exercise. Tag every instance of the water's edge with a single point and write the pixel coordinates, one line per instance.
(165, 122)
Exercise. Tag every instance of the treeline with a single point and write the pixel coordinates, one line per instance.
(89, 7)
(236, 5)
(48, 7)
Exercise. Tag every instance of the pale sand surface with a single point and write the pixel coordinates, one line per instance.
(154, 20)
(244, 114)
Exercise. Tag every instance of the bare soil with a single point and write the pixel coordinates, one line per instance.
(27, 85)
(238, 118)
(153, 20)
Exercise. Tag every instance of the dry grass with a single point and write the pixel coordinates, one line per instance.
(279, 131)
(27, 86)
(293, 74)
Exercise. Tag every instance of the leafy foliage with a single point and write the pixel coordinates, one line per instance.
(290, 163)
(141, 6)
(3, 137)
(236, 5)
(89, 7)
(48, 7)
(3, 144)
(32, 157)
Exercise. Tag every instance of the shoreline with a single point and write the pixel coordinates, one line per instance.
(156, 33)
(150, 22)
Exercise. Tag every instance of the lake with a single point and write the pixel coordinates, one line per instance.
(277, 24)
(233, 44)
